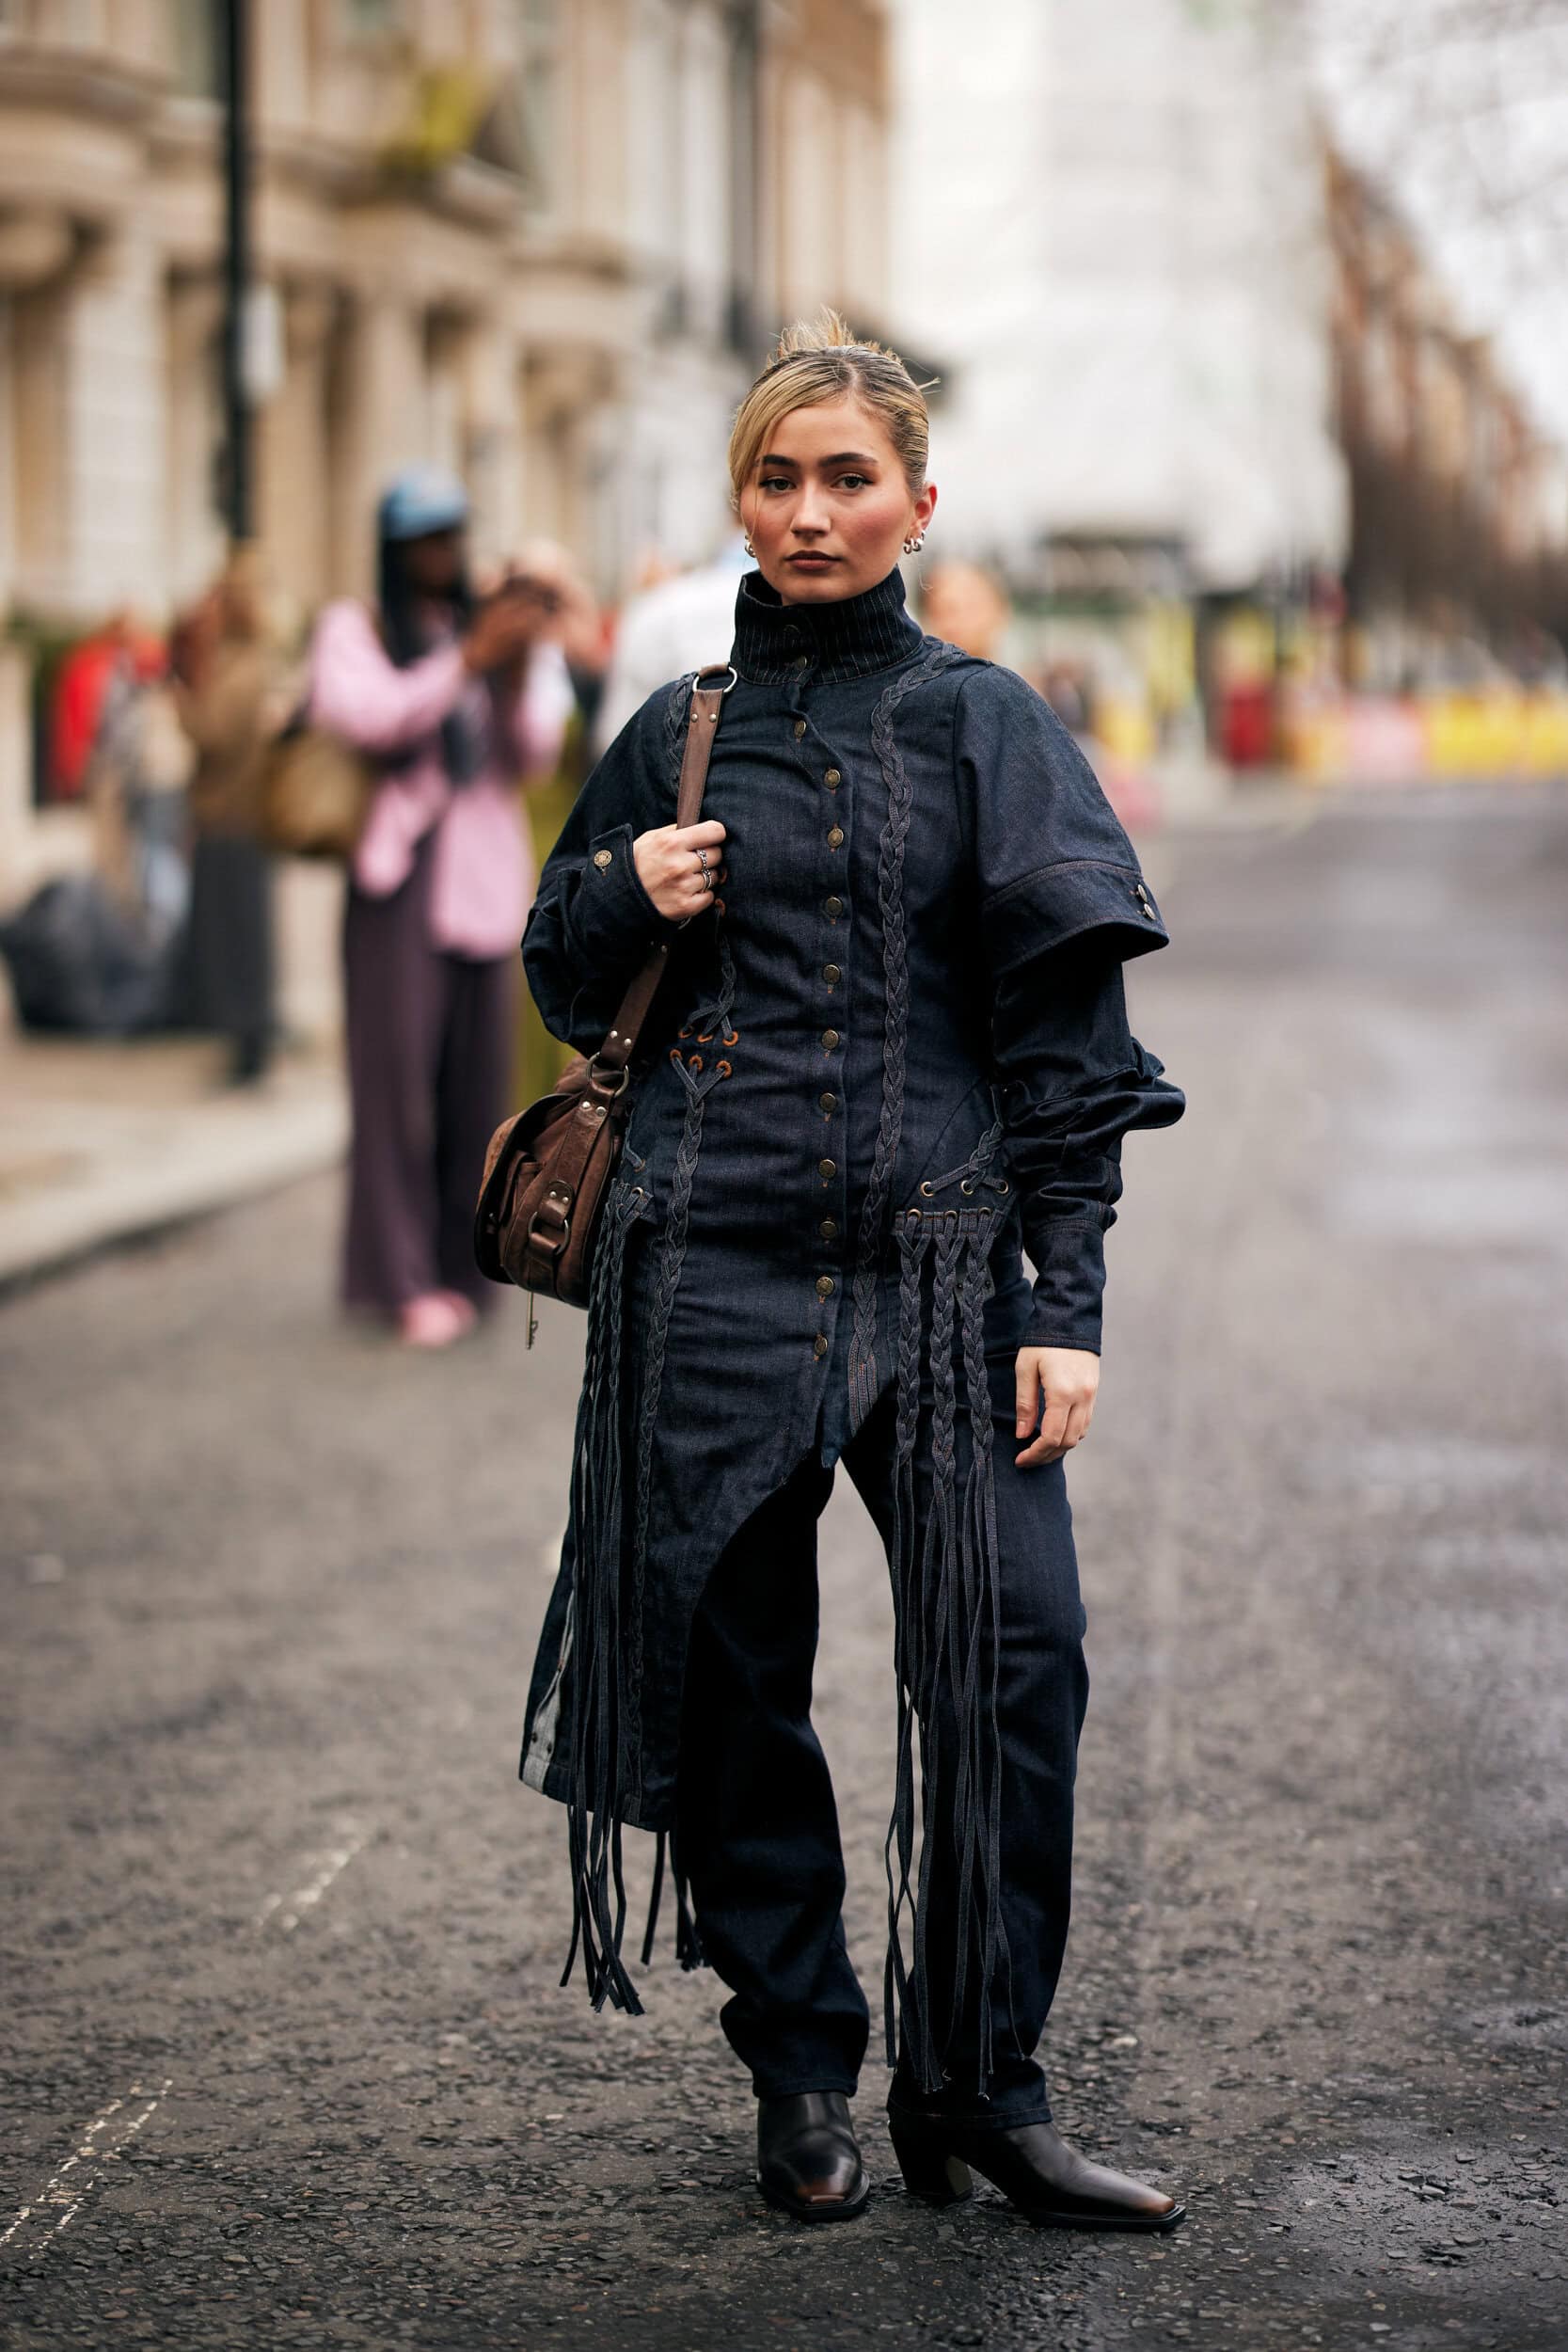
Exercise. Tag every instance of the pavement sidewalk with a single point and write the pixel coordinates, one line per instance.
(105, 1142)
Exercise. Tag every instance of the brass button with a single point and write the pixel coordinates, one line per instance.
(831, 778)
(827, 1102)
(829, 1229)
(826, 1168)
(825, 1286)
(602, 857)
(819, 1344)
(800, 729)
(830, 1039)
(835, 836)
(801, 661)
(833, 908)
(832, 974)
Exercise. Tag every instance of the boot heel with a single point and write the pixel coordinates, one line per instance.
(928, 2170)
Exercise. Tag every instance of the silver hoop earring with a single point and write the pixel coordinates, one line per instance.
(914, 545)
(747, 545)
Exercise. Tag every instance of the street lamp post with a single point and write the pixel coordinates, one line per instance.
(238, 488)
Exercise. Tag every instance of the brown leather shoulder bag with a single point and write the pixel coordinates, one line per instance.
(547, 1166)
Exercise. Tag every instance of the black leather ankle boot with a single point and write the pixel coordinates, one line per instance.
(1032, 2164)
(808, 2159)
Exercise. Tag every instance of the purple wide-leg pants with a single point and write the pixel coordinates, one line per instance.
(429, 1055)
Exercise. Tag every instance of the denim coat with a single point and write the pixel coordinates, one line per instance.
(892, 1058)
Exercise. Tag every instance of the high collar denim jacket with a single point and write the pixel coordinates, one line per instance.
(897, 1052)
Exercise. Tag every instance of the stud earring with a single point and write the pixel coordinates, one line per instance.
(914, 543)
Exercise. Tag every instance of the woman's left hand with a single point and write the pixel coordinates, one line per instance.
(1056, 1389)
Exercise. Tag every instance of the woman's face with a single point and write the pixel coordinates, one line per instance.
(827, 507)
(433, 564)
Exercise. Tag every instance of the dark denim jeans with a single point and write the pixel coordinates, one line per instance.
(758, 1828)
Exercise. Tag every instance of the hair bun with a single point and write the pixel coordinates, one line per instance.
(829, 330)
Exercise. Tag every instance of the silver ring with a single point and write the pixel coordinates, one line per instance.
(708, 882)
(702, 860)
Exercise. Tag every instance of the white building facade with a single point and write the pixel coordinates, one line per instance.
(1111, 222)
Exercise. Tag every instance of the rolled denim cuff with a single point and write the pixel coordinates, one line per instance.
(1069, 1285)
(1042, 911)
(613, 917)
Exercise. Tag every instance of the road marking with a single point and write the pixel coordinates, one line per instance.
(288, 1909)
(62, 2196)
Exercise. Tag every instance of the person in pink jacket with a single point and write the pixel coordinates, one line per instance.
(454, 700)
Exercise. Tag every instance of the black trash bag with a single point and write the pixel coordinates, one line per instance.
(79, 961)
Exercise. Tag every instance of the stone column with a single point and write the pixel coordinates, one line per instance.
(114, 417)
(192, 535)
(293, 471)
(492, 455)
(380, 423)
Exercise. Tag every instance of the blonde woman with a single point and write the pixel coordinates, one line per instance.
(890, 1051)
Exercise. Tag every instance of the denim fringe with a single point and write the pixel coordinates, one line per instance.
(608, 1604)
(946, 1590)
(597, 1727)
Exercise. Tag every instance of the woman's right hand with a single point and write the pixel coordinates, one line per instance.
(670, 871)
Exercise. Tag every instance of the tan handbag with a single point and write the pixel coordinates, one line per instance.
(314, 793)
(547, 1166)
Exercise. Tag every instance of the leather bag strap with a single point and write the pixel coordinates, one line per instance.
(701, 727)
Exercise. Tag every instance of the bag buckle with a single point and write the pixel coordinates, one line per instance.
(557, 1200)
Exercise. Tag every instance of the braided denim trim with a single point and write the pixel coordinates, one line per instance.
(890, 894)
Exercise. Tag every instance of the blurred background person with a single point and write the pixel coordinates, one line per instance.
(227, 682)
(435, 688)
(573, 683)
(677, 625)
(81, 686)
(965, 607)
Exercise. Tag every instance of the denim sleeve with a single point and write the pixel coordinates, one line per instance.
(1074, 1081)
(593, 923)
(1051, 860)
(1062, 905)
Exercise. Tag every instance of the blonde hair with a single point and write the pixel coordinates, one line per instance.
(819, 360)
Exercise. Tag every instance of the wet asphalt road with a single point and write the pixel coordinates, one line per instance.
(285, 2060)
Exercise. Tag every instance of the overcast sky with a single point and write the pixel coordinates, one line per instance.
(1460, 107)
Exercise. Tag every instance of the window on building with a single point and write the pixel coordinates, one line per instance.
(539, 95)
(521, 133)
(198, 42)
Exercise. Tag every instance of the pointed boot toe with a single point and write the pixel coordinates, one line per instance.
(1036, 2169)
(809, 2162)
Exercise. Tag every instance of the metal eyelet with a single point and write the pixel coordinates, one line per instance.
(723, 1068)
(693, 1061)
(924, 1190)
(968, 1184)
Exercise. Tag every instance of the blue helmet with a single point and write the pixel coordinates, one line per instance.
(422, 498)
